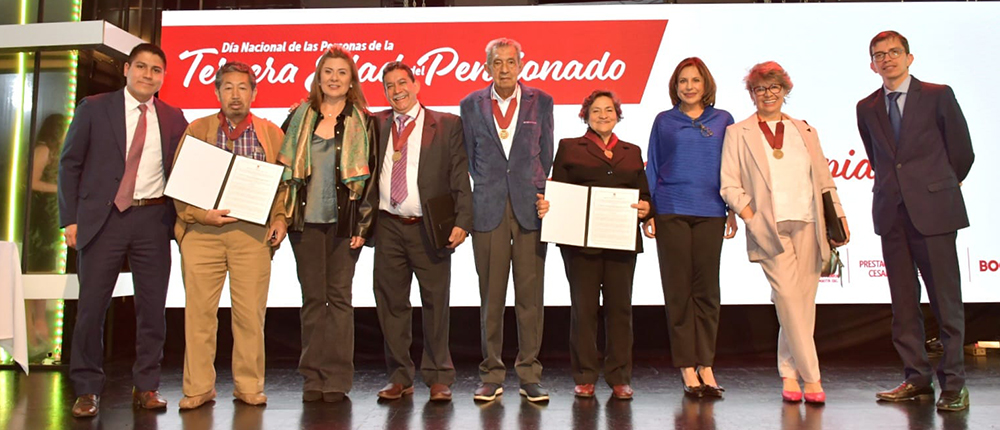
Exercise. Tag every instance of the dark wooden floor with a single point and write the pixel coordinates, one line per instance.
(42, 401)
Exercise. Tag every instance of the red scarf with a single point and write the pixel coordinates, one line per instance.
(234, 133)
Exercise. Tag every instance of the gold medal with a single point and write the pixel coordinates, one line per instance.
(608, 153)
(397, 155)
(504, 134)
(778, 154)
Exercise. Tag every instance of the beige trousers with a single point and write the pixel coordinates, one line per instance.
(207, 254)
(794, 276)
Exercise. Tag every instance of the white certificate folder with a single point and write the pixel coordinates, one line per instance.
(595, 217)
(210, 177)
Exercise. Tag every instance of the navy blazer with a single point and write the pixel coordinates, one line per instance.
(442, 168)
(924, 168)
(93, 159)
(579, 161)
(494, 176)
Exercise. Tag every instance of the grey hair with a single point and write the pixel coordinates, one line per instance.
(491, 49)
(238, 67)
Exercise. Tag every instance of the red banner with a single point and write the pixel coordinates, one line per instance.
(567, 59)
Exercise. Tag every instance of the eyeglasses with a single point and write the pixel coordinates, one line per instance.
(893, 53)
(705, 131)
(774, 89)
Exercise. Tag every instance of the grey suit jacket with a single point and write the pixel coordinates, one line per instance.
(924, 168)
(93, 159)
(746, 180)
(442, 169)
(495, 177)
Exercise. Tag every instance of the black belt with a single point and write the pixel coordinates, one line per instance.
(406, 220)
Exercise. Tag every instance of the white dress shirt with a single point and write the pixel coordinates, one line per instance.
(149, 180)
(506, 143)
(410, 206)
(901, 101)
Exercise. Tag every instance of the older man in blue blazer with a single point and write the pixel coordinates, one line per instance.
(920, 149)
(112, 173)
(508, 135)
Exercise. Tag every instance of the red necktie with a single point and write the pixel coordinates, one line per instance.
(123, 200)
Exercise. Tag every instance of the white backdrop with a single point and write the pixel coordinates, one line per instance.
(822, 46)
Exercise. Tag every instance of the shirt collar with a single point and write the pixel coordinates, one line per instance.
(412, 113)
(903, 88)
(131, 103)
(495, 96)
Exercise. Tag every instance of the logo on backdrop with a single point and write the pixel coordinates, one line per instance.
(448, 58)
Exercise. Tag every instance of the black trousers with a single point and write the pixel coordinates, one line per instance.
(141, 234)
(590, 275)
(689, 249)
(325, 265)
(400, 252)
(905, 250)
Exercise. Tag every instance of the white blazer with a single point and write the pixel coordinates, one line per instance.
(746, 180)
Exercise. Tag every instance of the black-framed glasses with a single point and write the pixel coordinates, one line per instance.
(893, 53)
(774, 89)
(705, 131)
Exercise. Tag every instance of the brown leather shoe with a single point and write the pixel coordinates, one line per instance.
(622, 392)
(253, 399)
(440, 393)
(148, 399)
(584, 390)
(86, 405)
(192, 402)
(393, 391)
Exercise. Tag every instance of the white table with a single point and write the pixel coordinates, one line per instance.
(13, 330)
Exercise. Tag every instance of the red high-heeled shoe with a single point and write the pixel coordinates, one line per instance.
(790, 396)
(818, 398)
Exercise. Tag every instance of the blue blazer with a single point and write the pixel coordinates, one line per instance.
(924, 168)
(494, 177)
(93, 159)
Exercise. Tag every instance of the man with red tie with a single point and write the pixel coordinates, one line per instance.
(112, 173)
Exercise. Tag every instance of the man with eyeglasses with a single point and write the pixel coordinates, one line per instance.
(919, 146)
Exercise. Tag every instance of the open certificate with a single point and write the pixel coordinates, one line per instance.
(209, 177)
(595, 217)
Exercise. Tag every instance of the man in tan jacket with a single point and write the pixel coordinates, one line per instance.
(212, 244)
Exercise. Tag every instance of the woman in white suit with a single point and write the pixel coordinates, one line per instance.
(774, 175)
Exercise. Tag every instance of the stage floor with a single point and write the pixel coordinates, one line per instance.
(43, 399)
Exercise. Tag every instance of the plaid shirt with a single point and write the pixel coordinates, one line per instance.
(246, 145)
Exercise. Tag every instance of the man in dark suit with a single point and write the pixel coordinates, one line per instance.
(919, 146)
(508, 135)
(422, 158)
(115, 162)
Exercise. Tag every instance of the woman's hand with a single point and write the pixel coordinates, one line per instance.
(357, 242)
(843, 221)
(649, 228)
(541, 205)
(746, 213)
(643, 207)
(731, 226)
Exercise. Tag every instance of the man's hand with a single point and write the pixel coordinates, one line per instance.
(70, 235)
(649, 228)
(457, 237)
(541, 205)
(218, 218)
(731, 226)
(357, 242)
(277, 232)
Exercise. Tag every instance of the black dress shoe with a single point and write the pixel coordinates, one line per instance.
(905, 392)
(710, 390)
(952, 400)
(696, 391)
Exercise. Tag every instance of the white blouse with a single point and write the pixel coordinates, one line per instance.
(791, 176)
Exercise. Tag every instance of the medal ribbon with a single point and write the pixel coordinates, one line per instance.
(594, 137)
(775, 140)
(234, 133)
(504, 119)
(399, 138)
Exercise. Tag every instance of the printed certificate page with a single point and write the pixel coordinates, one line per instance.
(566, 221)
(613, 220)
(250, 189)
(198, 173)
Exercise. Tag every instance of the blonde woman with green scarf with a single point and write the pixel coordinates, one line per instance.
(329, 154)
